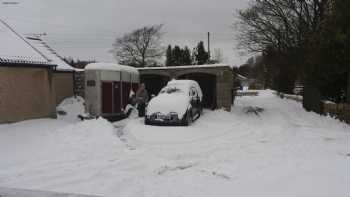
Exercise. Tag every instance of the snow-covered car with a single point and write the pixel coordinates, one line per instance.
(178, 103)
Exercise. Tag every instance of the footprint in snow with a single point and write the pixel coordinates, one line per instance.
(218, 174)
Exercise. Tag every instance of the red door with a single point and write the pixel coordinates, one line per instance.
(126, 93)
(107, 97)
(117, 97)
(135, 86)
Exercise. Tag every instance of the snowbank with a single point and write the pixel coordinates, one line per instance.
(283, 151)
(71, 107)
(25, 141)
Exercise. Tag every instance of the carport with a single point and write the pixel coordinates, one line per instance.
(154, 83)
(215, 81)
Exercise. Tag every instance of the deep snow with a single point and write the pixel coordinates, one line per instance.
(284, 151)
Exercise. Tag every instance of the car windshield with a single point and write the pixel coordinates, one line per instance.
(170, 90)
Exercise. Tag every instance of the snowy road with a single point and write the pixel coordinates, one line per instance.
(283, 152)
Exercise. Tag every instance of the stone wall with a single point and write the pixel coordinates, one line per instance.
(340, 111)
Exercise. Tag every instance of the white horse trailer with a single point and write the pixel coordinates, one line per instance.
(108, 87)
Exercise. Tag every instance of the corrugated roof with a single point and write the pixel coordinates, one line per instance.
(16, 49)
(50, 54)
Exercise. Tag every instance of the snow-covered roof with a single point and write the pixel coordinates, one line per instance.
(111, 67)
(241, 77)
(189, 66)
(16, 49)
(185, 82)
(50, 54)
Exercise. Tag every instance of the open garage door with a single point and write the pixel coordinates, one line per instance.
(207, 82)
(154, 83)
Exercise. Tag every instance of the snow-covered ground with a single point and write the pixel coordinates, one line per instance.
(284, 151)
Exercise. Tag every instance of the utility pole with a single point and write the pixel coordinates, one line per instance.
(208, 45)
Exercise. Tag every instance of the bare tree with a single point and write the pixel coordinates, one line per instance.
(283, 24)
(283, 30)
(139, 48)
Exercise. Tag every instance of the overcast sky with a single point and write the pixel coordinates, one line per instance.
(86, 29)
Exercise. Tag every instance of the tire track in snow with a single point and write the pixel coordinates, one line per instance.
(124, 137)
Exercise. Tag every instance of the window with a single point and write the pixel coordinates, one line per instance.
(170, 90)
(193, 92)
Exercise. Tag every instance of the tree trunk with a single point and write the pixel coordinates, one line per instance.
(312, 98)
(348, 92)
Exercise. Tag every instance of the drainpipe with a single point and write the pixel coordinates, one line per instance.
(74, 85)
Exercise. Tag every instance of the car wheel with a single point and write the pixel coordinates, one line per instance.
(199, 115)
(188, 119)
(147, 122)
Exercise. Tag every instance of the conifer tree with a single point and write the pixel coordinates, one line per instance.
(176, 53)
(186, 56)
(169, 57)
(202, 56)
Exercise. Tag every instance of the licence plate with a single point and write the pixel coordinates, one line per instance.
(161, 117)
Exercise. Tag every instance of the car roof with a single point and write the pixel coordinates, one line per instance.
(186, 84)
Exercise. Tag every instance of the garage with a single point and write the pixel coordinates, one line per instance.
(207, 82)
(215, 81)
(154, 83)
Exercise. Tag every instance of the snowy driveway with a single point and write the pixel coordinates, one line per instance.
(283, 152)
